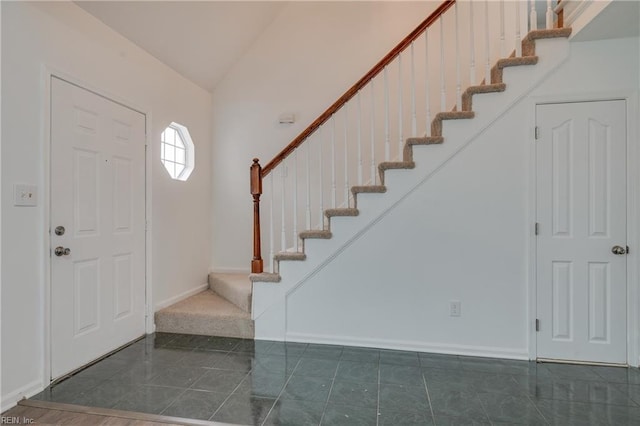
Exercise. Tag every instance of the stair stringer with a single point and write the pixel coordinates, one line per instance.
(270, 300)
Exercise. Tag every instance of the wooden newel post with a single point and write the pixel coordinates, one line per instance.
(256, 191)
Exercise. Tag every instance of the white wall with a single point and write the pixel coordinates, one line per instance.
(463, 235)
(65, 38)
(306, 59)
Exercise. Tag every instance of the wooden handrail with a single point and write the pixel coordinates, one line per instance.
(356, 87)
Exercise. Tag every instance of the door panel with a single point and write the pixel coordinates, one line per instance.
(581, 212)
(98, 195)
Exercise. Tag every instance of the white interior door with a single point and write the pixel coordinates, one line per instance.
(98, 197)
(581, 212)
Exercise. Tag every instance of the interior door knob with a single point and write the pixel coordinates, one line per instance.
(618, 250)
(62, 251)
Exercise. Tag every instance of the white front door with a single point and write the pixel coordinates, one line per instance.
(98, 217)
(582, 221)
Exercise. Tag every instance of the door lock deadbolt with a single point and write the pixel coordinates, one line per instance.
(62, 251)
(59, 230)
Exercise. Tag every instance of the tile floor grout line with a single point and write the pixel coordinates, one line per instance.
(378, 401)
(484, 409)
(229, 396)
(285, 384)
(426, 388)
(333, 380)
(538, 409)
(184, 390)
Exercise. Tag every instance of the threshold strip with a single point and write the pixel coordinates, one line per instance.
(108, 412)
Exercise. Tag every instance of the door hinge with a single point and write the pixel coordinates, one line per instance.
(537, 324)
(537, 228)
(537, 133)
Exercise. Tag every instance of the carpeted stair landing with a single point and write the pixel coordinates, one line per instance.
(224, 309)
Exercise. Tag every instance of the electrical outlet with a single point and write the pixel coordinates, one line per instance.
(455, 308)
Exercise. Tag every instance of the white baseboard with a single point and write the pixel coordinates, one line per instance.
(27, 391)
(403, 345)
(230, 271)
(181, 296)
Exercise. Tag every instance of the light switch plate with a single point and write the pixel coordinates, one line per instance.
(25, 195)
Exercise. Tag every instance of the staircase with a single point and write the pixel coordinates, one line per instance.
(224, 309)
(406, 160)
(347, 210)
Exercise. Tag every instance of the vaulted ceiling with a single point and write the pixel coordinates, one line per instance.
(199, 39)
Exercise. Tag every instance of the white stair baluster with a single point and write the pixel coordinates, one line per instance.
(283, 235)
(308, 212)
(518, 39)
(414, 118)
(333, 162)
(472, 49)
(373, 136)
(359, 139)
(549, 16)
(271, 235)
(487, 64)
(533, 16)
(400, 102)
(503, 46)
(321, 179)
(458, 78)
(443, 90)
(387, 135)
(426, 83)
(295, 200)
(346, 157)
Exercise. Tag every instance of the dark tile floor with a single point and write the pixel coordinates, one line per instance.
(273, 383)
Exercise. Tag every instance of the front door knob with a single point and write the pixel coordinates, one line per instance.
(62, 251)
(618, 250)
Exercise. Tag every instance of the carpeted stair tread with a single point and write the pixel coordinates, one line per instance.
(393, 165)
(324, 234)
(426, 140)
(289, 255)
(528, 42)
(207, 314)
(368, 189)
(467, 96)
(407, 153)
(436, 124)
(265, 277)
(341, 212)
(236, 288)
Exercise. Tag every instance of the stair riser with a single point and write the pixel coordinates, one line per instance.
(206, 326)
(516, 75)
(422, 153)
(485, 103)
(400, 180)
(239, 296)
(319, 248)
